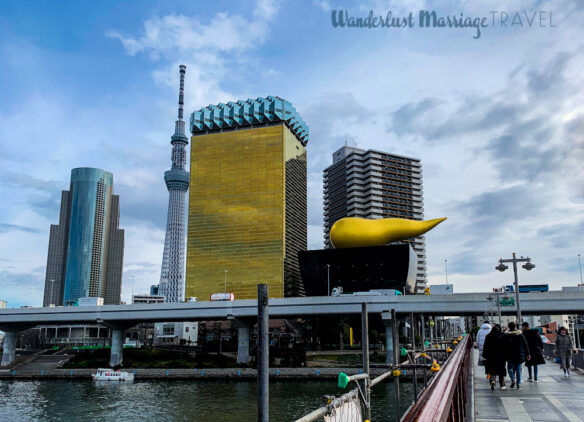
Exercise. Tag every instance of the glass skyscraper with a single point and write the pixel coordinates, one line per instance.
(86, 249)
(247, 201)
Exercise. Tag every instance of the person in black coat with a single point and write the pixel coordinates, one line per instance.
(494, 355)
(517, 352)
(535, 345)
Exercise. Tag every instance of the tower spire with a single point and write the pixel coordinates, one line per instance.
(181, 94)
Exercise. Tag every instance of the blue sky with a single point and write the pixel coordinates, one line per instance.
(497, 121)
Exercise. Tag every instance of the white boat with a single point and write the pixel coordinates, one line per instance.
(106, 374)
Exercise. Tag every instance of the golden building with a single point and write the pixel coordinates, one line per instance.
(247, 201)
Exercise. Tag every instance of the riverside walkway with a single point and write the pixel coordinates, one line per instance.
(554, 398)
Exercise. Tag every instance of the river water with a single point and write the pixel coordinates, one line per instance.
(225, 401)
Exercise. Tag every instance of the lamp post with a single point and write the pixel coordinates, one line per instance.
(528, 266)
(225, 281)
(446, 270)
(328, 279)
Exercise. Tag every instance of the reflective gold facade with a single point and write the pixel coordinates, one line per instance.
(247, 212)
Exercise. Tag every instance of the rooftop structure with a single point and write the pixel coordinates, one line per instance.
(249, 113)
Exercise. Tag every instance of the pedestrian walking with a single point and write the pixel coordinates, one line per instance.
(517, 352)
(494, 355)
(535, 345)
(481, 335)
(564, 349)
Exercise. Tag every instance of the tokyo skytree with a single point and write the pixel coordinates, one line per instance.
(172, 277)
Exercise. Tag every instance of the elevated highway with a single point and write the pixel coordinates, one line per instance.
(460, 304)
(244, 312)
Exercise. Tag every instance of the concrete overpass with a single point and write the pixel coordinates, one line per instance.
(244, 312)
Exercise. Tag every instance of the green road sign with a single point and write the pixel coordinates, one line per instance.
(507, 301)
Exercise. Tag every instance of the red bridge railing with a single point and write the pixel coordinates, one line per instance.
(445, 397)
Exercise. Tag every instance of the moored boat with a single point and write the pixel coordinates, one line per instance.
(107, 374)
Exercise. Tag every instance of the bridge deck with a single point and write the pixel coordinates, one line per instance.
(554, 398)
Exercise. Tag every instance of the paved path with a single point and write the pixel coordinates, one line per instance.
(553, 399)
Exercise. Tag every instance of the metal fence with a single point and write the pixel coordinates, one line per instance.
(446, 397)
(577, 360)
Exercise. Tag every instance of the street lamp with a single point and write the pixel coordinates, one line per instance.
(446, 270)
(225, 280)
(528, 266)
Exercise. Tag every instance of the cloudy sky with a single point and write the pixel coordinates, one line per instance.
(497, 121)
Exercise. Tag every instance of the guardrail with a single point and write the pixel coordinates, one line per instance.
(445, 397)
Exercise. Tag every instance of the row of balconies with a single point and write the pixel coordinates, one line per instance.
(368, 166)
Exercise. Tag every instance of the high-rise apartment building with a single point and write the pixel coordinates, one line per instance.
(247, 203)
(86, 248)
(172, 275)
(374, 184)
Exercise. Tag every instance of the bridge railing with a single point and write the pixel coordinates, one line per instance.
(577, 360)
(446, 396)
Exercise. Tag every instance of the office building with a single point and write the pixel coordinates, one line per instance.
(247, 203)
(2, 304)
(154, 289)
(374, 184)
(86, 248)
(172, 281)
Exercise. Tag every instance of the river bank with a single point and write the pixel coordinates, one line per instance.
(197, 373)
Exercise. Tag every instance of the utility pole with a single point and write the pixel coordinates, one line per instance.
(328, 279)
(395, 363)
(263, 351)
(365, 347)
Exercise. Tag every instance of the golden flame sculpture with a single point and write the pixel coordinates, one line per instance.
(354, 232)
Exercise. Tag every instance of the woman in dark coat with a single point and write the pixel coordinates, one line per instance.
(494, 355)
(535, 345)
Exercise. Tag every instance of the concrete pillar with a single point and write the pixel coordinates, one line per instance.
(9, 351)
(386, 318)
(117, 350)
(243, 344)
